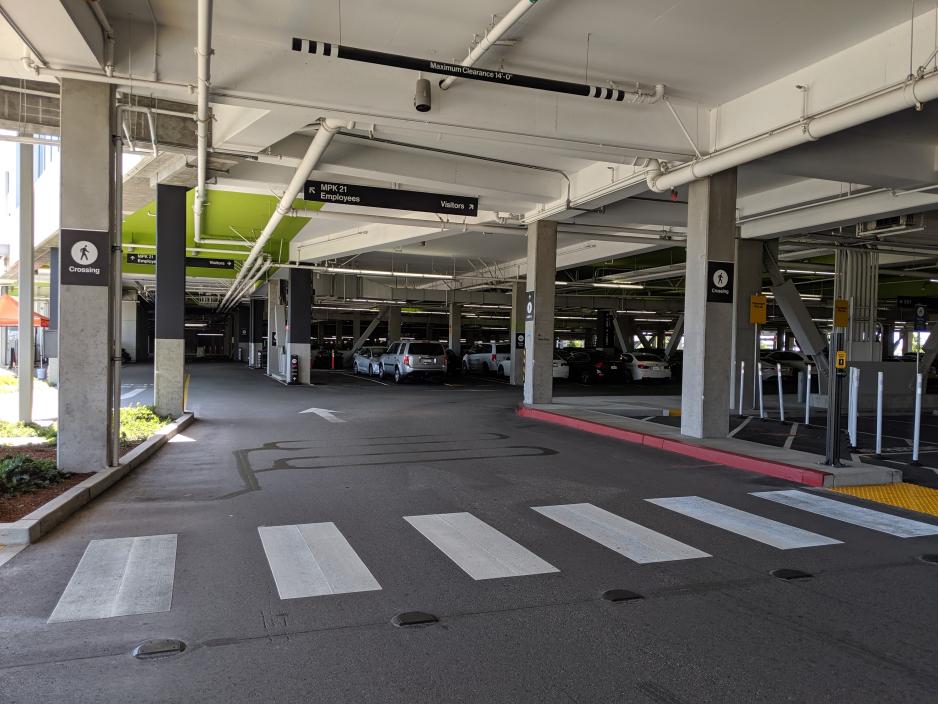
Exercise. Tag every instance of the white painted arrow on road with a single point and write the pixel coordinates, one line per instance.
(323, 413)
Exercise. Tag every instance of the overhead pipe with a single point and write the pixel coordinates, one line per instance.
(246, 287)
(492, 36)
(409, 222)
(203, 52)
(339, 51)
(910, 93)
(327, 131)
(108, 32)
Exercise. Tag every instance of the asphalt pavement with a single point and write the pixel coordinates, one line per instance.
(382, 499)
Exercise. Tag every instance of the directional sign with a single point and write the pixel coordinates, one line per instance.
(719, 282)
(85, 257)
(373, 197)
(192, 262)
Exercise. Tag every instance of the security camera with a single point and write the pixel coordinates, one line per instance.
(422, 96)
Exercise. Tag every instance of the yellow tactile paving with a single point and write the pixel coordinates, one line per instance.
(910, 496)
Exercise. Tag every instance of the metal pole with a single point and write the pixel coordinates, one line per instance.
(26, 341)
(832, 458)
(852, 404)
(879, 413)
(761, 397)
(742, 380)
(916, 437)
(781, 398)
(757, 370)
(807, 396)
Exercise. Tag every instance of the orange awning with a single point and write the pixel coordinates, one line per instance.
(10, 314)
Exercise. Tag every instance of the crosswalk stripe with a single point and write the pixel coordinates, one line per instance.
(848, 513)
(314, 559)
(131, 394)
(119, 577)
(634, 541)
(478, 549)
(749, 525)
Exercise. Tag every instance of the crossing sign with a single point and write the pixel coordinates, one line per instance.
(841, 360)
(85, 257)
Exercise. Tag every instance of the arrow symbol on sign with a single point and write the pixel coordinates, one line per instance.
(324, 413)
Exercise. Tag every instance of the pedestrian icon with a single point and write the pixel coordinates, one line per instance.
(720, 277)
(84, 252)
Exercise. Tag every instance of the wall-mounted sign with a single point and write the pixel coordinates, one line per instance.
(85, 256)
(519, 341)
(757, 310)
(921, 318)
(719, 282)
(529, 307)
(191, 262)
(841, 313)
(374, 197)
(841, 362)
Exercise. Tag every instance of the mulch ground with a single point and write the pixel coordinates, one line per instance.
(14, 508)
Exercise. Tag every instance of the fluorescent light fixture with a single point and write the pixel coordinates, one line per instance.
(571, 317)
(210, 334)
(618, 285)
(804, 296)
(639, 312)
(486, 305)
(654, 320)
(196, 325)
(933, 281)
(805, 271)
(378, 272)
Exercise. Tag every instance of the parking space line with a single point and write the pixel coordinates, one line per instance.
(848, 513)
(314, 559)
(764, 530)
(791, 436)
(131, 394)
(634, 541)
(740, 427)
(478, 549)
(364, 378)
(120, 577)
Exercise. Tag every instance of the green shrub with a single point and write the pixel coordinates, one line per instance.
(140, 422)
(20, 474)
(7, 383)
(28, 430)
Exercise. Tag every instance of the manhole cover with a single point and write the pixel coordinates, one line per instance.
(160, 648)
(931, 559)
(789, 575)
(617, 596)
(409, 619)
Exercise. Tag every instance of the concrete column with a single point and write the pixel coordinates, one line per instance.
(711, 233)
(276, 330)
(299, 300)
(85, 329)
(745, 346)
(257, 330)
(539, 333)
(242, 332)
(169, 349)
(129, 322)
(516, 325)
(394, 324)
(455, 326)
(356, 326)
(26, 352)
(51, 341)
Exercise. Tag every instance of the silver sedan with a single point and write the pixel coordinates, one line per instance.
(365, 360)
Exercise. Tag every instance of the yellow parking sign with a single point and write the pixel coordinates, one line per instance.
(841, 313)
(757, 314)
(841, 360)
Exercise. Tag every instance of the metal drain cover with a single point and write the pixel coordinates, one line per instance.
(789, 574)
(931, 559)
(158, 648)
(409, 619)
(617, 596)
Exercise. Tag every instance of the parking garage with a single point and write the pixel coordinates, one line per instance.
(473, 331)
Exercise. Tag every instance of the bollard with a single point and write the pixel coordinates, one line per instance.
(807, 396)
(742, 380)
(761, 397)
(879, 414)
(332, 363)
(852, 406)
(916, 436)
(781, 398)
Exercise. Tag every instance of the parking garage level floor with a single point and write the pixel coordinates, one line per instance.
(279, 546)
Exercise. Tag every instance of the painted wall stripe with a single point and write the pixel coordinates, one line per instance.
(635, 541)
(478, 549)
(848, 513)
(314, 559)
(749, 525)
(119, 577)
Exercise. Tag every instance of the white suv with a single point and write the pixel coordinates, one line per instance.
(485, 356)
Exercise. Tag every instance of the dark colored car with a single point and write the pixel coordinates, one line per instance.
(453, 363)
(590, 366)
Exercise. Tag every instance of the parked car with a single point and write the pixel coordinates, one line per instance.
(414, 358)
(676, 362)
(791, 362)
(644, 366)
(797, 361)
(561, 370)
(367, 360)
(322, 358)
(588, 366)
(485, 356)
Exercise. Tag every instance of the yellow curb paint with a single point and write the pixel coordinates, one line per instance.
(908, 496)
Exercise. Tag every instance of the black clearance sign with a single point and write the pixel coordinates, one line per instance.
(200, 262)
(719, 282)
(373, 197)
(529, 307)
(519, 340)
(85, 257)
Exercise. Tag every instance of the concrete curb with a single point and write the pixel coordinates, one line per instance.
(40, 522)
(809, 477)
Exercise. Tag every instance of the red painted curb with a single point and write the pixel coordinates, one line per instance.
(809, 477)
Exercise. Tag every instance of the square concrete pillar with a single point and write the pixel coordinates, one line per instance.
(516, 325)
(539, 332)
(299, 323)
(708, 324)
(85, 329)
(394, 324)
(258, 329)
(745, 343)
(51, 333)
(455, 327)
(276, 330)
(169, 347)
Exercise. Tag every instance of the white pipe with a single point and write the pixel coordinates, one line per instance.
(408, 222)
(113, 79)
(246, 287)
(108, 36)
(204, 58)
(807, 396)
(910, 93)
(492, 36)
(781, 396)
(322, 140)
(917, 431)
(27, 333)
(879, 412)
(742, 382)
(151, 124)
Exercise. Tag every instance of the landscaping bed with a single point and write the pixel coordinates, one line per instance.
(13, 508)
